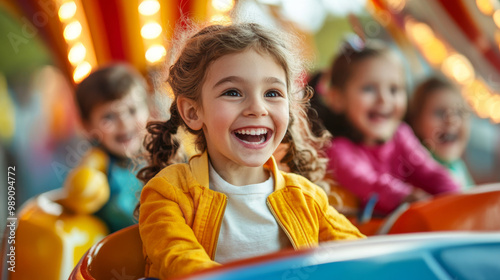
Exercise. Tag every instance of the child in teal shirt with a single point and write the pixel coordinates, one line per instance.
(439, 116)
(114, 112)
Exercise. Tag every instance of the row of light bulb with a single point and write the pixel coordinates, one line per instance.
(456, 67)
(149, 11)
(220, 11)
(78, 53)
(492, 9)
(151, 31)
(490, 101)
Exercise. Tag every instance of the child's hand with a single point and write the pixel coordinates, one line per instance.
(416, 195)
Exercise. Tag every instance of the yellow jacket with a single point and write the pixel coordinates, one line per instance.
(180, 216)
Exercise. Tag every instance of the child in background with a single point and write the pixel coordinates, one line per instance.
(373, 154)
(320, 116)
(114, 112)
(305, 141)
(234, 88)
(440, 118)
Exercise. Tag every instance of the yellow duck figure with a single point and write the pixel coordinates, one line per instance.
(56, 228)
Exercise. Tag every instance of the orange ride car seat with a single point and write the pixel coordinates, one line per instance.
(117, 256)
(474, 210)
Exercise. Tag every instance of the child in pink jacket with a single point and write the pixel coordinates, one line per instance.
(374, 154)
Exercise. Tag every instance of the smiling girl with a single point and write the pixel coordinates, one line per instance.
(235, 89)
(439, 116)
(113, 106)
(374, 154)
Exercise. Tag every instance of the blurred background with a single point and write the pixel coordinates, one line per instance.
(48, 46)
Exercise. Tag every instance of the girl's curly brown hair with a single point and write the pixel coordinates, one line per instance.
(190, 58)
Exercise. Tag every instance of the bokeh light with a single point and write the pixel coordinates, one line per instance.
(458, 68)
(435, 51)
(77, 53)
(496, 18)
(151, 30)
(149, 7)
(81, 71)
(223, 5)
(494, 107)
(72, 30)
(485, 6)
(420, 32)
(67, 10)
(155, 53)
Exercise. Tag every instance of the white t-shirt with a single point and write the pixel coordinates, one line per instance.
(248, 227)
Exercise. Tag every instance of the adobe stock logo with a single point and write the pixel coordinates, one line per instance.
(30, 29)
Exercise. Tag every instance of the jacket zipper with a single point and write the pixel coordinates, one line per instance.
(218, 228)
(281, 225)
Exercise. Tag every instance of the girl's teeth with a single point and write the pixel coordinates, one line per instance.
(252, 132)
(252, 136)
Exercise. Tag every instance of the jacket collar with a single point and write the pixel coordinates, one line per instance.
(199, 168)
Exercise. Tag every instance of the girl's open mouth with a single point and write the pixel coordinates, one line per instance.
(253, 136)
(447, 137)
(124, 138)
(377, 116)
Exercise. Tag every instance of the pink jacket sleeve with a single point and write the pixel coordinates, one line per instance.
(422, 170)
(410, 165)
(354, 171)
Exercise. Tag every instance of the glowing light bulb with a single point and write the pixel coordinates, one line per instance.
(420, 32)
(494, 107)
(223, 5)
(67, 10)
(149, 7)
(485, 6)
(81, 71)
(435, 51)
(496, 18)
(155, 53)
(458, 67)
(151, 30)
(72, 30)
(77, 53)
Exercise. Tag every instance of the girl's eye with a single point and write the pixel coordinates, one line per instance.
(440, 113)
(231, 92)
(273, 93)
(109, 116)
(394, 89)
(463, 113)
(368, 88)
(132, 110)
